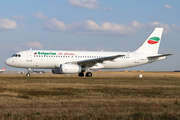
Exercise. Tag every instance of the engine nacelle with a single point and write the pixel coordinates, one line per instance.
(67, 68)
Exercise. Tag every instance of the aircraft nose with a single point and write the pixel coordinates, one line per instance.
(8, 62)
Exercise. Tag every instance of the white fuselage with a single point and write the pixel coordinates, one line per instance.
(43, 59)
(65, 62)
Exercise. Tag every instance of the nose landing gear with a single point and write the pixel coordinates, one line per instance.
(29, 72)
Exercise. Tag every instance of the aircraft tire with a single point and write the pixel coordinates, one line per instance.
(81, 74)
(28, 74)
(88, 74)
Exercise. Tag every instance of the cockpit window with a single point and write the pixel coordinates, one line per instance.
(16, 55)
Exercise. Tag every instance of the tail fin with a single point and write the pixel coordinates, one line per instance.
(151, 45)
(4, 68)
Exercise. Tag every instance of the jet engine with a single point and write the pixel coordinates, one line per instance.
(67, 68)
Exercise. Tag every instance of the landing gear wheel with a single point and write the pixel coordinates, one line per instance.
(88, 74)
(81, 74)
(28, 74)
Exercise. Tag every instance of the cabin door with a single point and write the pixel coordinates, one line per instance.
(29, 56)
(136, 58)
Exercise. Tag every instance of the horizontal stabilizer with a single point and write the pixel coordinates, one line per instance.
(157, 56)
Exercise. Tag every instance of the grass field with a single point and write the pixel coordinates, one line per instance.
(99, 97)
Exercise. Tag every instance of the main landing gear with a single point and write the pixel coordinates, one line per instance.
(81, 74)
(88, 74)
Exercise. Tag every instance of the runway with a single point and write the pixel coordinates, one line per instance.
(103, 73)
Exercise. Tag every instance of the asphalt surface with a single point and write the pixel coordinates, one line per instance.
(165, 74)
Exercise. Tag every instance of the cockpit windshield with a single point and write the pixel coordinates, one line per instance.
(16, 55)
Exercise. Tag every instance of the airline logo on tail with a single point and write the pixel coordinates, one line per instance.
(153, 40)
(1, 70)
(4, 68)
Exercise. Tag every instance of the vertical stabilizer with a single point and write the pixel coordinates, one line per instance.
(4, 68)
(151, 45)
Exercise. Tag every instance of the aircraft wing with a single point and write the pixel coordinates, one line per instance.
(157, 56)
(92, 62)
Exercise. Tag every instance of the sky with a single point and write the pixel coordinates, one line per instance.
(89, 25)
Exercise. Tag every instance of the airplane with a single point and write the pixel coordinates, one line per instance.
(20, 72)
(67, 62)
(2, 70)
(39, 71)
